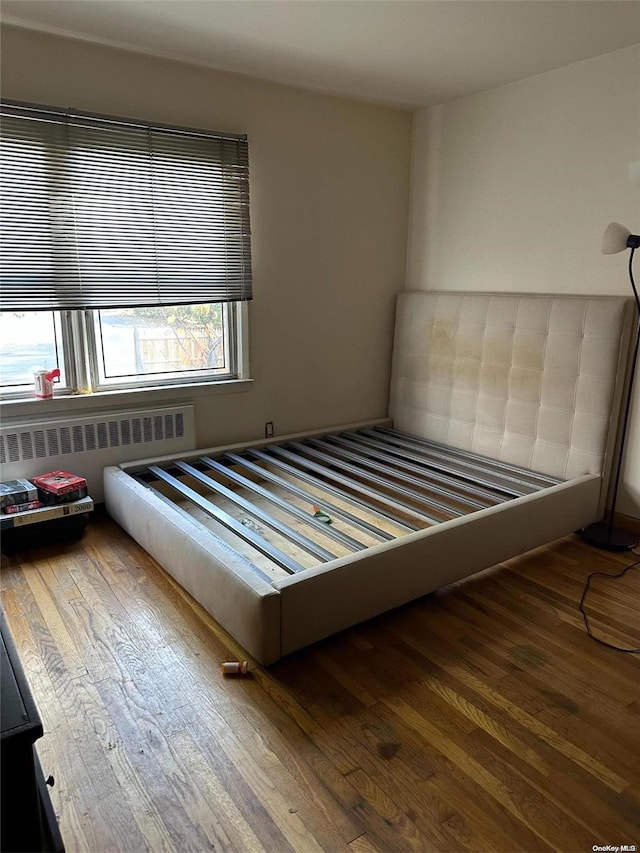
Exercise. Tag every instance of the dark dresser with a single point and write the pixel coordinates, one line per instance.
(27, 820)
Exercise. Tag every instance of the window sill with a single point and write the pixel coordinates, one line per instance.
(133, 398)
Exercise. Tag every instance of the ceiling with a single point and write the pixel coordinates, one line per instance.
(405, 53)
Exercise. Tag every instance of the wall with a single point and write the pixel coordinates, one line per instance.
(512, 189)
(329, 191)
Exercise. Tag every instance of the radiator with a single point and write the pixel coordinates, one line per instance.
(86, 445)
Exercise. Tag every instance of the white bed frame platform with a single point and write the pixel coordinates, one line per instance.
(503, 415)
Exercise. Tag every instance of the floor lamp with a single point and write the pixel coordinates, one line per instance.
(603, 534)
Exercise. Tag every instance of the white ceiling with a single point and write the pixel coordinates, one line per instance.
(407, 53)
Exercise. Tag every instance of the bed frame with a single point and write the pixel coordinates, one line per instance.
(502, 424)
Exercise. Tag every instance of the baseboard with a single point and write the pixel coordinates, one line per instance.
(627, 522)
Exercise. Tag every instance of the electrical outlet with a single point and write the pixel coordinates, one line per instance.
(268, 429)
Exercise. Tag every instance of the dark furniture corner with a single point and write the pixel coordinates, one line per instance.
(27, 820)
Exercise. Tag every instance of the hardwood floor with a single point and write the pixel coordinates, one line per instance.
(480, 718)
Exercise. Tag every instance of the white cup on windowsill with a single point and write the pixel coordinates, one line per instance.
(43, 382)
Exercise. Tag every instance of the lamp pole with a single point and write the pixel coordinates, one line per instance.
(604, 534)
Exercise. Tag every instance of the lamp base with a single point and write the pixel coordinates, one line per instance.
(603, 535)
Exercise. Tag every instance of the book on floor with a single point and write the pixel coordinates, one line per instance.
(20, 491)
(25, 507)
(45, 513)
(60, 487)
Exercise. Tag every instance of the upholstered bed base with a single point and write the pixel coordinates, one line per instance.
(466, 407)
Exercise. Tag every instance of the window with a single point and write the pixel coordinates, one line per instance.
(126, 251)
(29, 341)
(118, 347)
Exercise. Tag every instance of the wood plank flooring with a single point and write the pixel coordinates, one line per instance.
(480, 718)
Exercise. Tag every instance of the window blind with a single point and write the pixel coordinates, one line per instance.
(100, 212)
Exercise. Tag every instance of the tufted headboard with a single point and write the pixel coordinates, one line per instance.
(530, 380)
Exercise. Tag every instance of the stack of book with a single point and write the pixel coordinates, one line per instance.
(56, 494)
(18, 496)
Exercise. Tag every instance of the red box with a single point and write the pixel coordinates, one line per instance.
(59, 482)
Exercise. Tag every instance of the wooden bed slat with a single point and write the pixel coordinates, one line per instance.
(368, 458)
(404, 524)
(493, 497)
(279, 557)
(300, 539)
(354, 485)
(473, 474)
(534, 476)
(328, 454)
(329, 507)
(300, 514)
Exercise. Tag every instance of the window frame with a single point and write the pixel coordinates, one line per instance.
(92, 346)
(64, 348)
(79, 352)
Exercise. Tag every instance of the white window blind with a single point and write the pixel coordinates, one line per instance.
(100, 212)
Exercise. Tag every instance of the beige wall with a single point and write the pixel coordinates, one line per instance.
(329, 190)
(512, 188)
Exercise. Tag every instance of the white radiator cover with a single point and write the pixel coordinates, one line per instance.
(86, 445)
